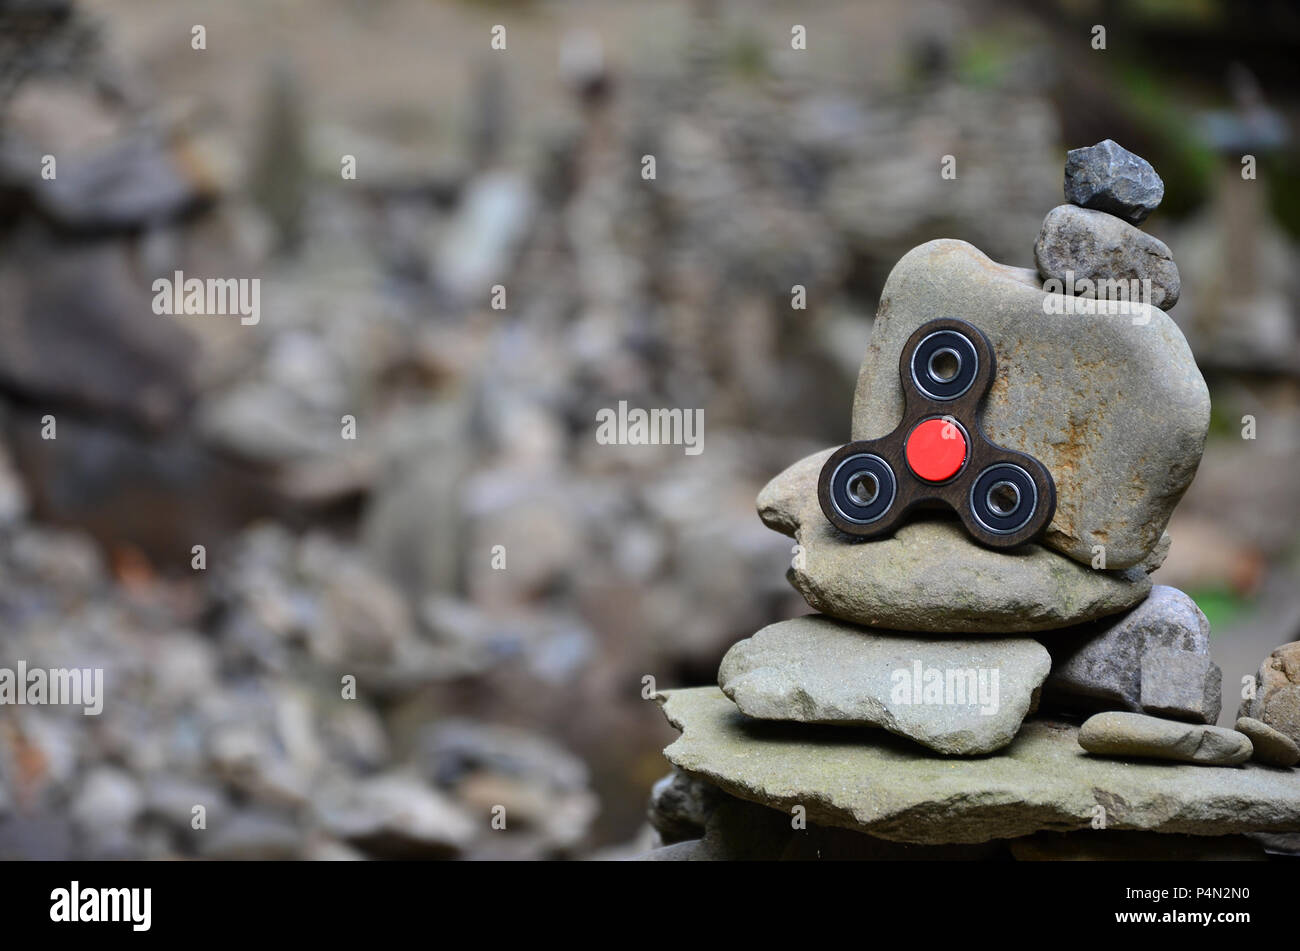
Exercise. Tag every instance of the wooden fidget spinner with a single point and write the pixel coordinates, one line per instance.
(938, 455)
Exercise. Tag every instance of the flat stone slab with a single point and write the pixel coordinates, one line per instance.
(1181, 685)
(962, 696)
(882, 785)
(930, 576)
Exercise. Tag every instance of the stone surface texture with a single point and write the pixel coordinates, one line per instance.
(817, 670)
(1076, 244)
(1181, 685)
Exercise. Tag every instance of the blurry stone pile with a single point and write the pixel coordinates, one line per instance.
(373, 557)
(234, 704)
(1242, 304)
(780, 763)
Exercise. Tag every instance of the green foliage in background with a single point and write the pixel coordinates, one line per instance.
(1185, 162)
(1225, 420)
(1222, 606)
(746, 56)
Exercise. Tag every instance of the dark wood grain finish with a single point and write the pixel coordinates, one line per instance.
(913, 492)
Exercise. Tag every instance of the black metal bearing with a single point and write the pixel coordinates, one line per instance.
(944, 365)
(863, 488)
(1003, 498)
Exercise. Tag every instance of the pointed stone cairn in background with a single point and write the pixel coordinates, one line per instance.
(965, 651)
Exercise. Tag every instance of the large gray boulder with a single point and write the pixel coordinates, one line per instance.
(930, 576)
(964, 696)
(1113, 405)
(1076, 244)
(884, 786)
(1153, 659)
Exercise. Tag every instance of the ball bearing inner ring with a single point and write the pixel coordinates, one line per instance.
(944, 364)
(1003, 498)
(863, 488)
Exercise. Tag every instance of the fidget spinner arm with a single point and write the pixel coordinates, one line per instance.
(938, 455)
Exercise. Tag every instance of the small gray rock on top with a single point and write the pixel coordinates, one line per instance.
(1153, 659)
(1136, 734)
(1110, 178)
(954, 696)
(1077, 244)
(1117, 411)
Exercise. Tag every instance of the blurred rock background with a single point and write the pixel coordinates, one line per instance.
(373, 558)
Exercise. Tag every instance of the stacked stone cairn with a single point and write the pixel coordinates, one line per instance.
(952, 700)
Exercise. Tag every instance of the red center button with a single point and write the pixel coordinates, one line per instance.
(935, 450)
